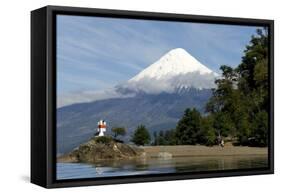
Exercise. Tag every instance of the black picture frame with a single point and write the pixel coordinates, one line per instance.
(43, 95)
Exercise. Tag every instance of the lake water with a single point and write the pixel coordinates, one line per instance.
(156, 166)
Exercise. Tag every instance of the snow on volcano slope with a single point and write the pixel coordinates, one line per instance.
(174, 71)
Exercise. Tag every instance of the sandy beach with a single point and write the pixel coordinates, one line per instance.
(198, 150)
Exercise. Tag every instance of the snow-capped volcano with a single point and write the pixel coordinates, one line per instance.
(175, 62)
(174, 71)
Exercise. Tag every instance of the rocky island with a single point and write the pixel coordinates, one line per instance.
(102, 148)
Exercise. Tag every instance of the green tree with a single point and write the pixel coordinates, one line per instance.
(141, 136)
(253, 84)
(170, 137)
(239, 103)
(187, 130)
(210, 134)
(118, 131)
(166, 137)
(260, 130)
(161, 138)
(222, 123)
(255, 57)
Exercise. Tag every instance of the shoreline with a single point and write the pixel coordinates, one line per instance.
(199, 150)
(181, 151)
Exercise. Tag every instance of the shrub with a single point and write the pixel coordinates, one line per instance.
(103, 139)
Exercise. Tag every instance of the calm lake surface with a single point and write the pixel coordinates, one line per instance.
(158, 165)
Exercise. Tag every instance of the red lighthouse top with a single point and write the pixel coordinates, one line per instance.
(101, 124)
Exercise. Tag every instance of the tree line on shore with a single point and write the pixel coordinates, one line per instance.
(238, 107)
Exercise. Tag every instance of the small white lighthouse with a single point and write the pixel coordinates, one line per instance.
(101, 128)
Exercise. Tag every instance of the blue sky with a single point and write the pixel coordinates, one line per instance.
(95, 53)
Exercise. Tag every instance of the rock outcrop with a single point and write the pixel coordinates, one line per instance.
(96, 150)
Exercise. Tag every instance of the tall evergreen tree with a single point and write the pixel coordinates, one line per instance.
(187, 130)
(141, 136)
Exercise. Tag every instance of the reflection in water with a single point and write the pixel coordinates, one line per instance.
(157, 165)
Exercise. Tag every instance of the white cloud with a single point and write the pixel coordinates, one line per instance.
(88, 96)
